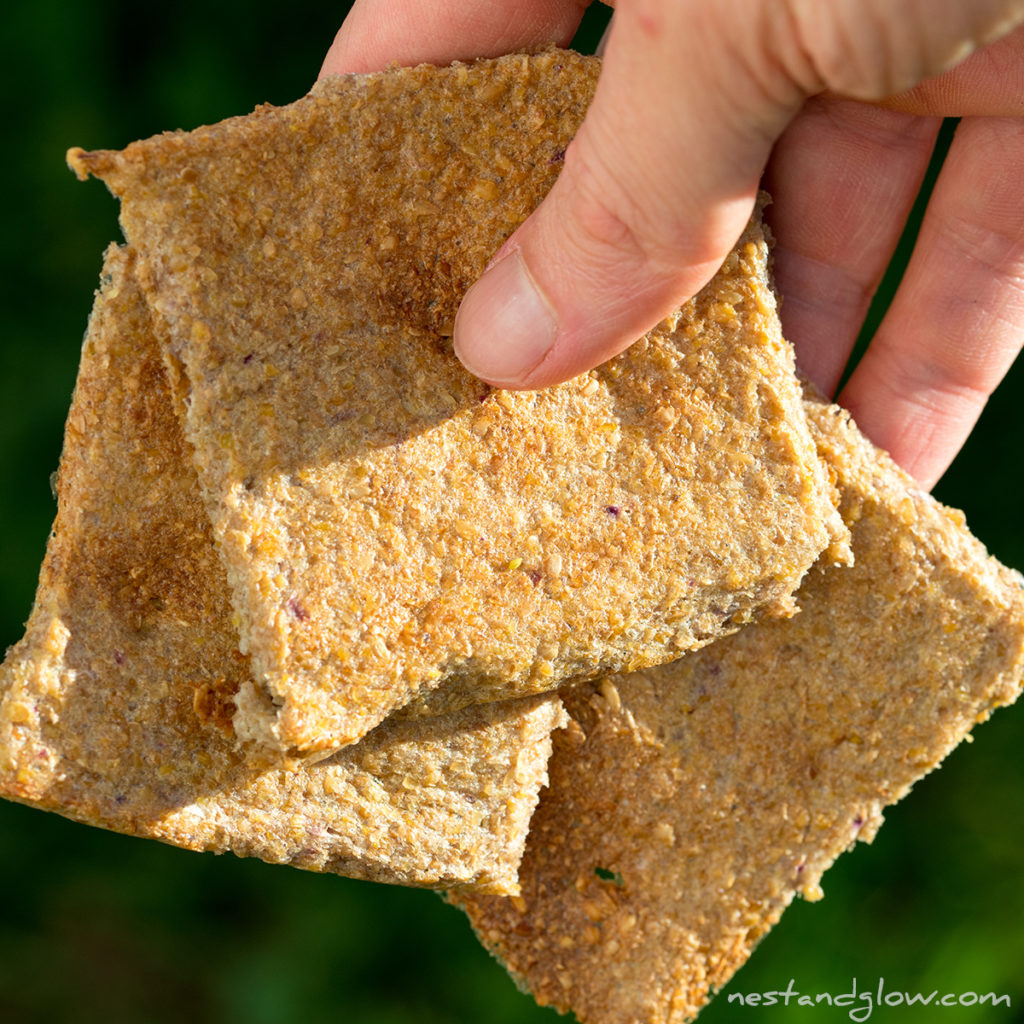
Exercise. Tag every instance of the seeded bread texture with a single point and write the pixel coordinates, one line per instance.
(393, 529)
(115, 709)
(691, 802)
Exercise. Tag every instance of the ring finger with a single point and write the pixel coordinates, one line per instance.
(957, 321)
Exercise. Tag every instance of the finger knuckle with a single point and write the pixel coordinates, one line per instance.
(935, 387)
(865, 51)
(616, 222)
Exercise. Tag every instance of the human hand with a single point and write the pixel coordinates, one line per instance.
(693, 102)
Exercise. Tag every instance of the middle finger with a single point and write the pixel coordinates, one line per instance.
(844, 177)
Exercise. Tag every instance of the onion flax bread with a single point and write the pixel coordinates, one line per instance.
(115, 707)
(692, 801)
(395, 534)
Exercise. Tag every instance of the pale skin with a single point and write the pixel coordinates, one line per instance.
(834, 105)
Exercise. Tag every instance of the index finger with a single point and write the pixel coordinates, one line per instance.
(989, 83)
(377, 33)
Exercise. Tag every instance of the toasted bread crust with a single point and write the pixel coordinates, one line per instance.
(116, 707)
(692, 802)
(396, 533)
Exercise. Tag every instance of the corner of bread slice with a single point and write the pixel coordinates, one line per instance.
(705, 795)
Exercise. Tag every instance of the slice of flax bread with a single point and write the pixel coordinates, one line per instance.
(694, 800)
(390, 525)
(114, 708)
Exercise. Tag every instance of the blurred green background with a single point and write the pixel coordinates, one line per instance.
(96, 927)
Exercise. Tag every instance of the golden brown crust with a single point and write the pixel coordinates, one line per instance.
(115, 707)
(390, 526)
(692, 802)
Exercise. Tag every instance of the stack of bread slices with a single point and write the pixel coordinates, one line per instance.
(622, 666)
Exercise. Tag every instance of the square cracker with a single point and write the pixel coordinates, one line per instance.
(391, 527)
(114, 708)
(693, 801)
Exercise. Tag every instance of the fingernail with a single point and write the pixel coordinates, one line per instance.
(505, 327)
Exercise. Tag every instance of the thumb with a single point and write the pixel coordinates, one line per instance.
(656, 187)
(662, 175)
